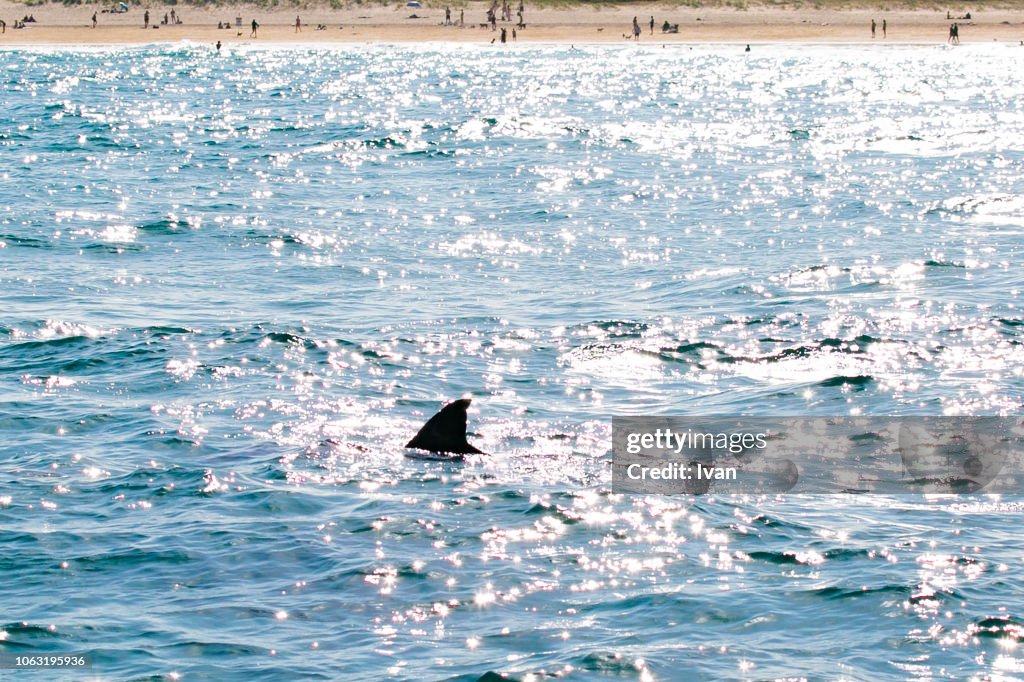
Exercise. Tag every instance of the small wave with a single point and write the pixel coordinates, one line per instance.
(607, 662)
(129, 558)
(386, 142)
(162, 330)
(164, 226)
(840, 593)
(25, 242)
(1001, 627)
(290, 339)
(842, 380)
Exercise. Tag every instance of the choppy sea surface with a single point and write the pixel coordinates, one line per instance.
(233, 285)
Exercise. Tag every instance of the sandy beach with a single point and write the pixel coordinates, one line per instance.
(61, 24)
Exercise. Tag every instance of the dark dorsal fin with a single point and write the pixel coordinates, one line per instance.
(446, 431)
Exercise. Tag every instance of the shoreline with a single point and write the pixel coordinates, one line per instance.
(584, 25)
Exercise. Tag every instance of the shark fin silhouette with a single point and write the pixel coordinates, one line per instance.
(445, 432)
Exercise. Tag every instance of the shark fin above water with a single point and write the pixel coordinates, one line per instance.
(445, 432)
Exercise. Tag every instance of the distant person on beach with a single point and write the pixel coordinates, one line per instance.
(218, 46)
(636, 29)
(872, 28)
(652, 25)
(462, 17)
(504, 36)
(513, 35)
(94, 20)
(145, 19)
(748, 48)
(254, 27)
(885, 28)
(3, 26)
(954, 34)
(447, 16)
(298, 25)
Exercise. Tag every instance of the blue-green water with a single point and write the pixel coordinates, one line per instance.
(233, 286)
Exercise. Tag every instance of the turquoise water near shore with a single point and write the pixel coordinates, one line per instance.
(234, 285)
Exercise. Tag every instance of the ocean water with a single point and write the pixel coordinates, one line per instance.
(233, 285)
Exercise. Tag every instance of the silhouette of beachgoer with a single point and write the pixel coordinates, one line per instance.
(504, 35)
(885, 27)
(748, 49)
(145, 19)
(94, 20)
(3, 26)
(636, 29)
(462, 17)
(218, 46)
(872, 28)
(447, 16)
(652, 25)
(298, 25)
(254, 27)
(954, 34)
